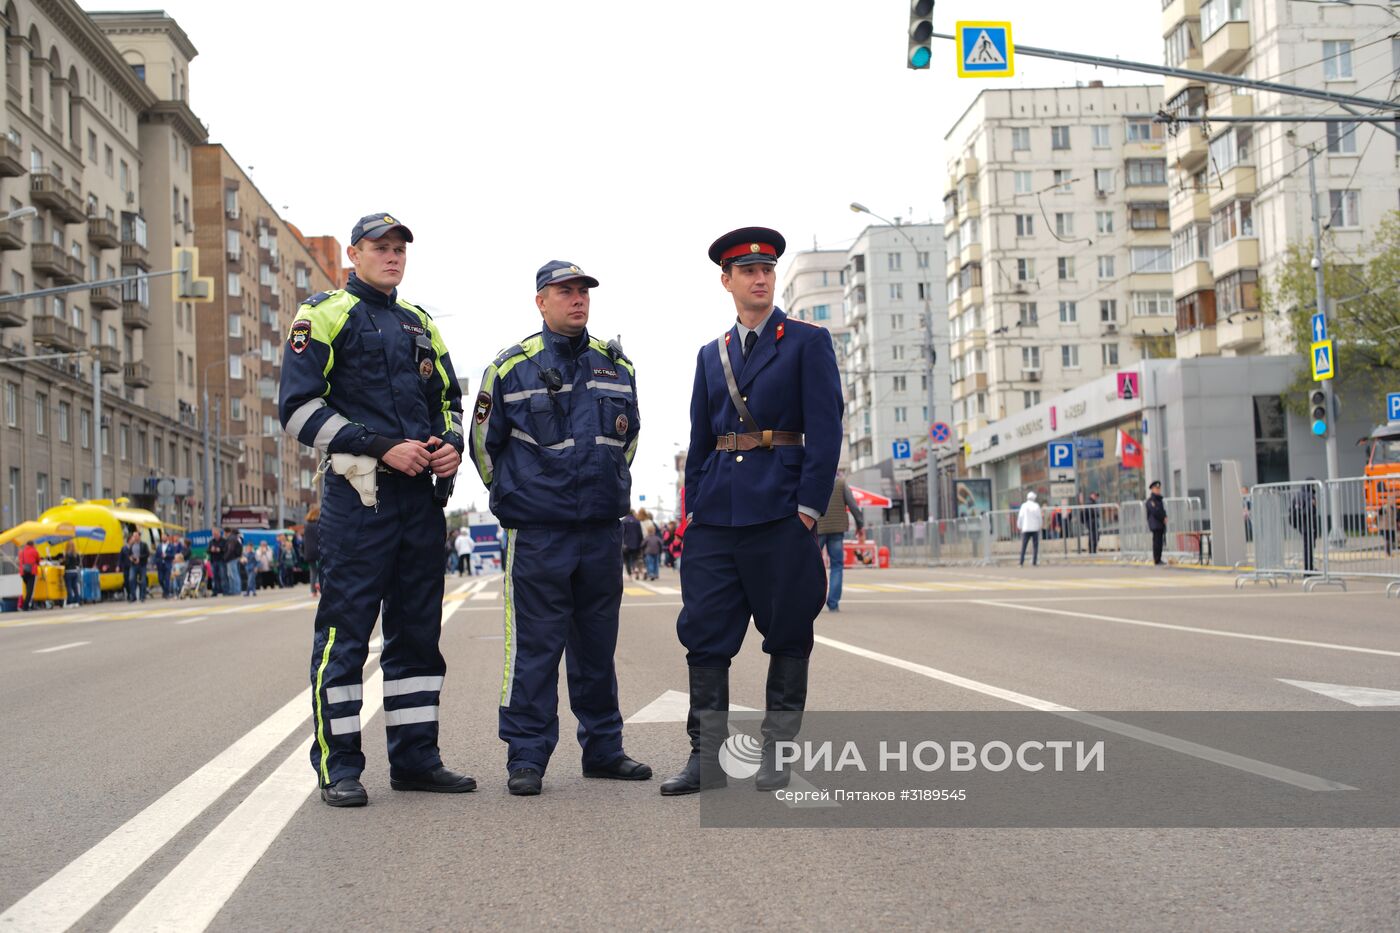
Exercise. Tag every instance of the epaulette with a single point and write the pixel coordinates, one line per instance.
(508, 352)
(423, 309)
(319, 297)
(798, 320)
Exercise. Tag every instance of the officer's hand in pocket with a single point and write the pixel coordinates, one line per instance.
(444, 458)
(410, 457)
(807, 520)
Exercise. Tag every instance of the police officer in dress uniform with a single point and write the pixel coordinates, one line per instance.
(366, 380)
(765, 438)
(555, 429)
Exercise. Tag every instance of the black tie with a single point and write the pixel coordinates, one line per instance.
(749, 340)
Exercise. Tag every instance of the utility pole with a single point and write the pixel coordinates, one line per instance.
(218, 465)
(281, 506)
(97, 421)
(208, 503)
(1319, 278)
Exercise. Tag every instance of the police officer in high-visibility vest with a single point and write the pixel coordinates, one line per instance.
(765, 438)
(555, 429)
(366, 380)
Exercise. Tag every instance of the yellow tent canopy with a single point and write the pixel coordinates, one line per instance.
(38, 533)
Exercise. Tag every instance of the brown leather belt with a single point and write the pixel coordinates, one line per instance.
(756, 440)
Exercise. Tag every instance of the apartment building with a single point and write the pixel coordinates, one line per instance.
(1240, 191)
(1057, 242)
(262, 269)
(80, 127)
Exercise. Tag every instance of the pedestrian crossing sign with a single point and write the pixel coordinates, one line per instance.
(985, 50)
(1324, 362)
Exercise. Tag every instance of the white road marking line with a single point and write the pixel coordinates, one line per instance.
(484, 594)
(1191, 629)
(191, 619)
(1172, 743)
(194, 892)
(673, 706)
(1356, 696)
(71, 644)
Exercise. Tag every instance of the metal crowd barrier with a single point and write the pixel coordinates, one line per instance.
(949, 541)
(1294, 531)
(1362, 534)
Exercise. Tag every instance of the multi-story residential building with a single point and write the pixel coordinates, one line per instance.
(81, 124)
(1240, 191)
(814, 289)
(1058, 247)
(891, 283)
(262, 269)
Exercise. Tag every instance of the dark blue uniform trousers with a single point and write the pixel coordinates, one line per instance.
(563, 588)
(771, 573)
(389, 556)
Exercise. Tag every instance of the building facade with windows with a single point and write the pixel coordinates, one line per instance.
(1057, 241)
(1239, 191)
(78, 138)
(813, 288)
(262, 269)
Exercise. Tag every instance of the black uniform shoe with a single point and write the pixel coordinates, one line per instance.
(525, 782)
(623, 769)
(708, 726)
(346, 792)
(439, 781)
(786, 698)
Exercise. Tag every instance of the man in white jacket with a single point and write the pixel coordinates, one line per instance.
(1028, 520)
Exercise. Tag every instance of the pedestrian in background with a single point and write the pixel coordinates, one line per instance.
(1030, 521)
(233, 562)
(72, 575)
(311, 548)
(1386, 522)
(631, 543)
(831, 535)
(668, 535)
(28, 572)
(266, 565)
(1092, 519)
(1303, 515)
(651, 554)
(464, 546)
(214, 554)
(1156, 520)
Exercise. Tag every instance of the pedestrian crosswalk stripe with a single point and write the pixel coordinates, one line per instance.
(636, 591)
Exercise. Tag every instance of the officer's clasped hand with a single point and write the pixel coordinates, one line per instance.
(443, 458)
(408, 457)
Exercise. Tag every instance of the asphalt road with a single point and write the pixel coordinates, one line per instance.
(155, 773)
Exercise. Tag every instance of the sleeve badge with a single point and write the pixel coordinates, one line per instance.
(300, 336)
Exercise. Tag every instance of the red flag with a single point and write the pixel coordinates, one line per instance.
(1129, 450)
(867, 499)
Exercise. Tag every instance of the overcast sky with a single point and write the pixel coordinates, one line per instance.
(622, 135)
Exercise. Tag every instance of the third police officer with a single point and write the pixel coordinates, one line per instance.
(555, 429)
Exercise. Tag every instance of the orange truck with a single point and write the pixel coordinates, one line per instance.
(1382, 478)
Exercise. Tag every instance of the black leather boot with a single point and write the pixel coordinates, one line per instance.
(709, 694)
(786, 699)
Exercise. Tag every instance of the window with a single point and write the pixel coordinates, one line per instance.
(1108, 310)
(1341, 138)
(1063, 177)
(235, 367)
(1142, 131)
(106, 439)
(1234, 220)
(896, 322)
(1103, 221)
(896, 291)
(1231, 148)
(1099, 133)
(1346, 209)
(1105, 267)
(235, 408)
(1149, 216)
(1030, 399)
(922, 260)
(14, 494)
(65, 415)
(1022, 182)
(1190, 244)
(896, 260)
(1030, 357)
(901, 414)
(1064, 225)
(1059, 137)
(12, 404)
(1025, 225)
(1336, 60)
(1216, 13)
(41, 413)
(1020, 139)
(901, 383)
(821, 312)
(970, 231)
(1025, 270)
(1147, 172)
(124, 441)
(1180, 45)
(235, 286)
(125, 178)
(1065, 266)
(92, 147)
(1237, 292)
(1069, 312)
(1270, 439)
(65, 488)
(1151, 259)
(1151, 304)
(1069, 356)
(1027, 313)
(85, 428)
(1104, 181)
(1110, 354)
(235, 327)
(897, 352)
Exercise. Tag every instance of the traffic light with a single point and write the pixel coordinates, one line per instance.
(1317, 406)
(187, 285)
(920, 33)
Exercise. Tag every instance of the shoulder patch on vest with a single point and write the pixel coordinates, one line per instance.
(301, 335)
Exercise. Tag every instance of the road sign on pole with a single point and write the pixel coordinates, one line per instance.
(1061, 457)
(1319, 328)
(940, 433)
(902, 449)
(1392, 406)
(985, 50)
(1324, 363)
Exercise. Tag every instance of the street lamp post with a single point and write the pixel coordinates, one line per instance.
(211, 504)
(930, 356)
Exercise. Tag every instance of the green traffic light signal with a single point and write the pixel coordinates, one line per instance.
(920, 33)
(1317, 403)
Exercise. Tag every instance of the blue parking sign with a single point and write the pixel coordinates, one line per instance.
(1392, 406)
(1061, 455)
(902, 449)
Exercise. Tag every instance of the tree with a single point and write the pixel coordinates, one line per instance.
(1364, 293)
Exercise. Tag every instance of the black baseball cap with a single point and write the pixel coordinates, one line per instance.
(375, 226)
(557, 272)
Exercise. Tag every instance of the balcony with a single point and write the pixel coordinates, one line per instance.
(50, 260)
(12, 234)
(971, 252)
(110, 359)
(1189, 149)
(1030, 375)
(1189, 206)
(103, 233)
(12, 161)
(1238, 182)
(1239, 253)
(1244, 329)
(134, 254)
(105, 298)
(1226, 104)
(56, 333)
(1177, 10)
(1192, 277)
(235, 259)
(138, 375)
(967, 167)
(47, 190)
(12, 312)
(1194, 343)
(135, 315)
(1226, 49)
